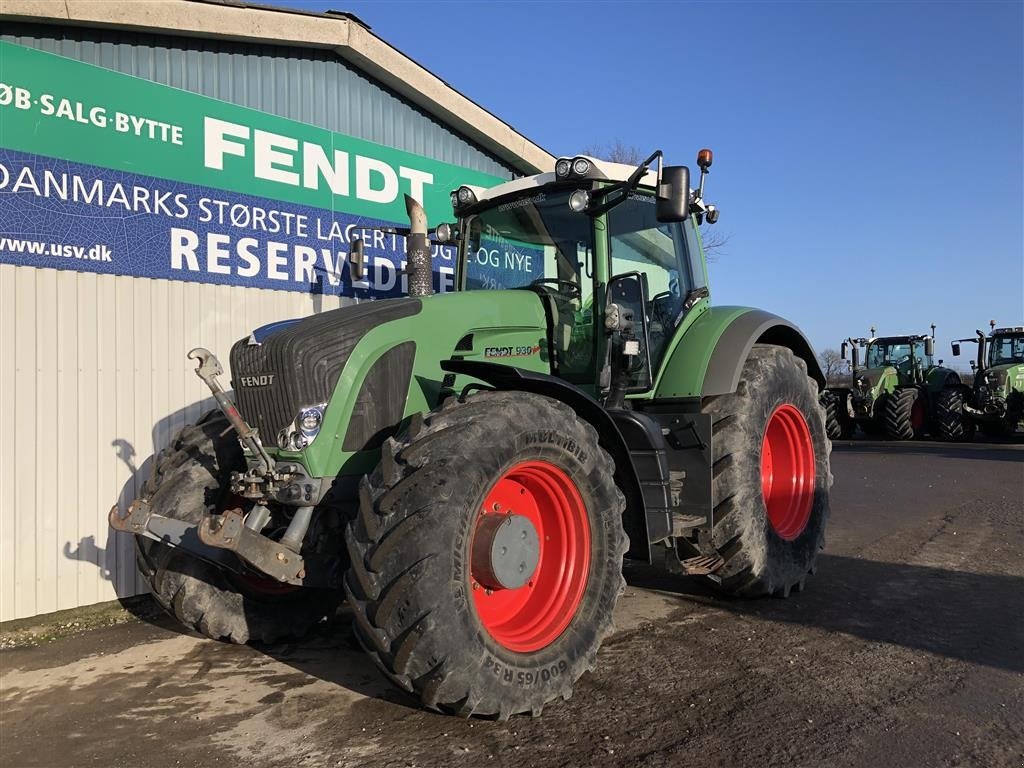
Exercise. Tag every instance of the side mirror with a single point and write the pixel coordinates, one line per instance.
(357, 260)
(929, 346)
(956, 348)
(627, 294)
(673, 202)
(842, 351)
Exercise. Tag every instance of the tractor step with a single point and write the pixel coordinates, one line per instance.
(683, 524)
(702, 565)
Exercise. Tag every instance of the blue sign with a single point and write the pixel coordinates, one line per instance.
(63, 215)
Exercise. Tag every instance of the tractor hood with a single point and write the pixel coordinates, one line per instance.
(1005, 378)
(873, 376)
(367, 366)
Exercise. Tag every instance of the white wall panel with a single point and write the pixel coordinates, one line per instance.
(93, 381)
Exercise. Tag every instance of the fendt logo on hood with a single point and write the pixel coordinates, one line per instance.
(260, 380)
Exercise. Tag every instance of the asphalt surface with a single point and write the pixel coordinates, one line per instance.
(906, 649)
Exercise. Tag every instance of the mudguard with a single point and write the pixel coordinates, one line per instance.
(707, 359)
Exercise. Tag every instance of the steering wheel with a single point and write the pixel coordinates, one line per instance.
(574, 291)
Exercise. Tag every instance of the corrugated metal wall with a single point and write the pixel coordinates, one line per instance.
(93, 381)
(93, 374)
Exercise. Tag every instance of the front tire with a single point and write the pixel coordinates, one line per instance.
(950, 422)
(427, 606)
(189, 480)
(771, 476)
(906, 414)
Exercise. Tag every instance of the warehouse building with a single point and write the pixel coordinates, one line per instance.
(174, 174)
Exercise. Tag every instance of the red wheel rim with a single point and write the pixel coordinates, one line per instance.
(917, 416)
(787, 471)
(533, 616)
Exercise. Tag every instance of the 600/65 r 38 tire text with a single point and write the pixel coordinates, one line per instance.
(771, 476)
(486, 557)
(189, 480)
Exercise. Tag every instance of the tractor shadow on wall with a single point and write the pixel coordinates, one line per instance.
(115, 558)
(958, 615)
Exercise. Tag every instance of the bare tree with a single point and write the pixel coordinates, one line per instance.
(617, 151)
(832, 364)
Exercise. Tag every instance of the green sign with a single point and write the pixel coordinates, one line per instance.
(108, 173)
(54, 106)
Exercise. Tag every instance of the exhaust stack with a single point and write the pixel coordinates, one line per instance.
(417, 251)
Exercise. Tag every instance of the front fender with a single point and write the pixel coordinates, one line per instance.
(708, 358)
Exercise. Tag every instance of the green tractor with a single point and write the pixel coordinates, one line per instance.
(995, 403)
(467, 470)
(896, 391)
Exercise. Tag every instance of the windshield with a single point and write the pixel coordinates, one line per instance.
(1005, 350)
(529, 241)
(539, 242)
(895, 353)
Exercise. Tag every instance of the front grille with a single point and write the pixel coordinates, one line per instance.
(299, 365)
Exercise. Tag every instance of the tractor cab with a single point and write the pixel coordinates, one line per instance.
(910, 357)
(1006, 347)
(613, 251)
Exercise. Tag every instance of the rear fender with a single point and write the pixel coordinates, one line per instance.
(708, 360)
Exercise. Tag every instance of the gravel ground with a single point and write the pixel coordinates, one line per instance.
(906, 649)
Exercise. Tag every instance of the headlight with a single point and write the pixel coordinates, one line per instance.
(309, 420)
(444, 233)
(581, 166)
(303, 430)
(562, 168)
(466, 196)
(579, 200)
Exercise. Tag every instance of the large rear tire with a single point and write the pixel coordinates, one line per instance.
(189, 480)
(950, 422)
(771, 476)
(906, 415)
(428, 608)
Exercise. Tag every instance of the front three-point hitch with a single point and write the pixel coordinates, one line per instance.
(263, 484)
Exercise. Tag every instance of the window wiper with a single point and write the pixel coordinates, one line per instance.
(603, 200)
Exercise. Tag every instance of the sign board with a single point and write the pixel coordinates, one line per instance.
(109, 173)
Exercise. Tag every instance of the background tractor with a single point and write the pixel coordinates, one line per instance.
(468, 470)
(894, 393)
(995, 403)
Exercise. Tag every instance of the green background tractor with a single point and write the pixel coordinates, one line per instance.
(467, 470)
(895, 392)
(995, 403)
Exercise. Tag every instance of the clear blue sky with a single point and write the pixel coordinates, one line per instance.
(869, 157)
